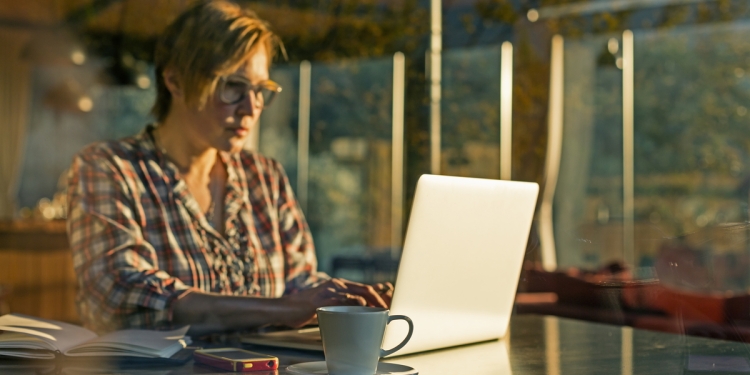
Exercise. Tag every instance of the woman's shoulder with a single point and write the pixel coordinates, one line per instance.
(122, 155)
(129, 149)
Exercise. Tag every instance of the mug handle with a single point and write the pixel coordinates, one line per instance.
(384, 353)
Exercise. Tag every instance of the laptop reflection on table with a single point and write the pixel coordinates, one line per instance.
(459, 269)
(489, 358)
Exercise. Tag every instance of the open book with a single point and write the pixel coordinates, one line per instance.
(30, 337)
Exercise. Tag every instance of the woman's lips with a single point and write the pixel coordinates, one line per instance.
(240, 132)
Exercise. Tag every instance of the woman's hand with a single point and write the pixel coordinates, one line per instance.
(385, 290)
(336, 292)
(210, 313)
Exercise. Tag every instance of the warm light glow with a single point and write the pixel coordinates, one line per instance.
(303, 135)
(618, 62)
(143, 81)
(78, 57)
(554, 152)
(85, 104)
(506, 110)
(532, 15)
(397, 153)
(613, 46)
(628, 153)
(48, 212)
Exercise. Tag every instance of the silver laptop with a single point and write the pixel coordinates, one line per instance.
(459, 268)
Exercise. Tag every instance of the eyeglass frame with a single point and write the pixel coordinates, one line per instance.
(256, 88)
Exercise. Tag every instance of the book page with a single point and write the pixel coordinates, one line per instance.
(134, 342)
(15, 340)
(56, 335)
(26, 353)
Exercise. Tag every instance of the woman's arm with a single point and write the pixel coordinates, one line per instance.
(121, 285)
(208, 313)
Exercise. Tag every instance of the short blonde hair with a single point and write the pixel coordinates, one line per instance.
(209, 40)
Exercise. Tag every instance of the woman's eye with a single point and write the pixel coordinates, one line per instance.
(239, 86)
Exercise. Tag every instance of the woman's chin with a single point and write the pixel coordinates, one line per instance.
(230, 144)
(235, 145)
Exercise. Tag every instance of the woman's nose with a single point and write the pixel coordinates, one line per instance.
(249, 105)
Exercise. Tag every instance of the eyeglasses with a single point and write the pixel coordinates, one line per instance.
(234, 89)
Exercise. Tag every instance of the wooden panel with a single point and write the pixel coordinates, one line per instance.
(36, 266)
(42, 283)
(33, 235)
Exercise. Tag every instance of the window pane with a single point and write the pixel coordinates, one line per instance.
(58, 128)
(691, 153)
(279, 122)
(470, 112)
(350, 159)
(588, 201)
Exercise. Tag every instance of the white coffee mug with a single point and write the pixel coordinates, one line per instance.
(352, 336)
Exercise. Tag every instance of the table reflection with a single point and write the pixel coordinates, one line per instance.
(543, 345)
(557, 346)
(478, 359)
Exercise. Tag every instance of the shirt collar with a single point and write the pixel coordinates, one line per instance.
(235, 186)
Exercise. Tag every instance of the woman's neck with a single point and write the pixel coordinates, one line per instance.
(192, 158)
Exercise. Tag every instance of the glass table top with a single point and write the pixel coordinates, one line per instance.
(536, 345)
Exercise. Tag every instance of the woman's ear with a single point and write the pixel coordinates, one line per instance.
(173, 83)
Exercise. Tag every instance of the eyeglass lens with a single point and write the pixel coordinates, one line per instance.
(234, 91)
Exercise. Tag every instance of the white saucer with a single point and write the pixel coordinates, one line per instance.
(320, 368)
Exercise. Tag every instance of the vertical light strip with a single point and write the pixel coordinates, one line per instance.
(627, 350)
(628, 110)
(303, 139)
(397, 156)
(506, 110)
(554, 152)
(552, 344)
(436, 46)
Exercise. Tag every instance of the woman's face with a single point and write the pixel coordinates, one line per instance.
(226, 127)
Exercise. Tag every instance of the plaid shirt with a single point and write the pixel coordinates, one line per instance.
(140, 240)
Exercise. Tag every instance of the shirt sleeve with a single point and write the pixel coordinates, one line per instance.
(121, 285)
(296, 239)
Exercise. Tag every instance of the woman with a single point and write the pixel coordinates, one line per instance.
(178, 225)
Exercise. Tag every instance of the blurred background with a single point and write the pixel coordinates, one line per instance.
(631, 114)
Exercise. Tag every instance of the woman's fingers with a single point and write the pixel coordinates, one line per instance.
(386, 292)
(389, 287)
(345, 299)
(354, 300)
(367, 292)
(384, 288)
